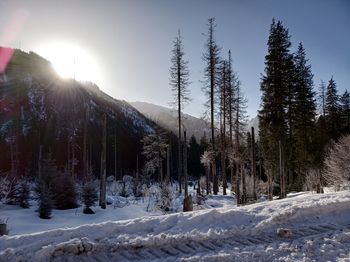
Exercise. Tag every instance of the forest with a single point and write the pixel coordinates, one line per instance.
(67, 141)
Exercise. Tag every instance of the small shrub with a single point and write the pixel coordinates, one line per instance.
(23, 193)
(89, 196)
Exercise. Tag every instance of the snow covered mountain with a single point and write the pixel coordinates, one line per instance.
(167, 118)
(39, 109)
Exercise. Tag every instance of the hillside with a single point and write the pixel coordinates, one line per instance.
(41, 113)
(167, 118)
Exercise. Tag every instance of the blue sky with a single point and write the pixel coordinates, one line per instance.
(131, 40)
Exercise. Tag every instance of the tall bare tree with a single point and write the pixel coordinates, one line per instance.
(211, 74)
(103, 164)
(179, 81)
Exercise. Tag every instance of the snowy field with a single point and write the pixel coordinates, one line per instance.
(318, 229)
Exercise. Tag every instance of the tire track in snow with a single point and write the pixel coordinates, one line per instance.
(182, 249)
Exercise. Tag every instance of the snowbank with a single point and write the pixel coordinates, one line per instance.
(305, 209)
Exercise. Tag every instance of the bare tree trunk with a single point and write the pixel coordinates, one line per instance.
(281, 170)
(168, 164)
(103, 165)
(137, 167)
(185, 165)
(215, 179)
(85, 168)
(244, 184)
(115, 153)
(238, 183)
(270, 184)
(73, 161)
(253, 164)
(207, 179)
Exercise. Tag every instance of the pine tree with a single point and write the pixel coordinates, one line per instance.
(23, 194)
(45, 202)
(345, 112)
(305, 113)
(322, 99)
(194, 154)
(211, 74)
(179, 81)
(64, 192)
(276, 114)
(89, 196)
(332, 110)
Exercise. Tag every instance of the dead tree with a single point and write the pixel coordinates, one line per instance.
(103, 165)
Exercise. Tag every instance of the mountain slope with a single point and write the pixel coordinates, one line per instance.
(40, 112)
(167, 118)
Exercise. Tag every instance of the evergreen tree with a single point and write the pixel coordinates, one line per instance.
(45, 202)
(179, 81)
(276, 100)
(332, 110)
(64, 192)
(194, 154)
(211, 74)
(305, 112)
(23, 193)
(89, 196)
(322, 99)
(345, 112)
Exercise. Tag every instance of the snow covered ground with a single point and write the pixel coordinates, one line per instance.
(319, 226)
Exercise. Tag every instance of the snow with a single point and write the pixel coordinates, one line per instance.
(299, 213)
(24, 221)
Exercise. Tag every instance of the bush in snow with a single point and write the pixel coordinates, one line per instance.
(337, 164)
(23, 193)
(64, 191)
(313, 180)
(89, 196)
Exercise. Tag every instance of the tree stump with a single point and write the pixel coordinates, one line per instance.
(188, 205)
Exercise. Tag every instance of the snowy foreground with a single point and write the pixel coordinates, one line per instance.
(319, 226)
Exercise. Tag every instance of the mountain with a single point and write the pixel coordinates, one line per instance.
(254, 122)
(42, 115)
(167, 118)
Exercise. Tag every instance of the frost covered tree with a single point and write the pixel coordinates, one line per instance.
(154, 149)
(179, 81)
(337, 164)
(207, 159)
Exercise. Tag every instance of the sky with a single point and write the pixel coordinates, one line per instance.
(128, 42)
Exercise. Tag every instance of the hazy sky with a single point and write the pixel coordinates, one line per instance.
(131, 40)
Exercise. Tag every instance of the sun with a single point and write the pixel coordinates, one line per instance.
(71, 61)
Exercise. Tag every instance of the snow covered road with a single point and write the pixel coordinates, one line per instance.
(320, 226)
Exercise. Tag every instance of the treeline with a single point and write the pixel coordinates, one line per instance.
(296, 123)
